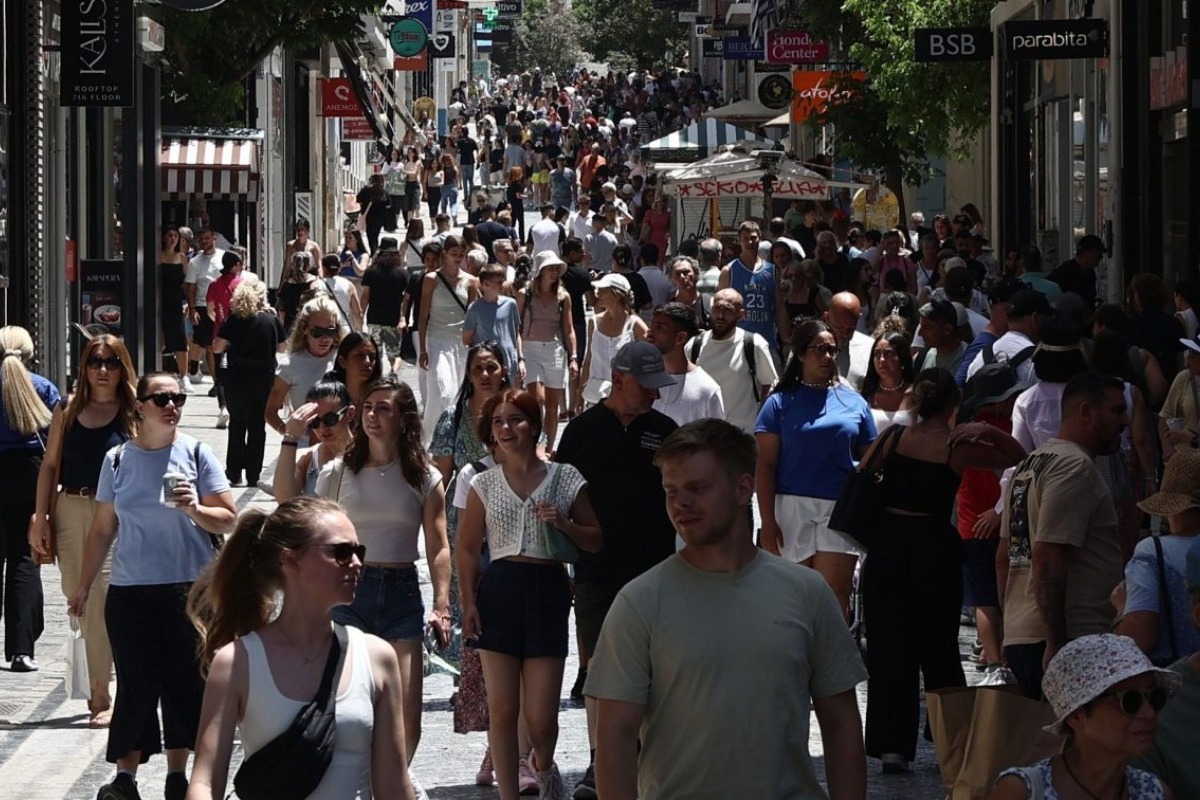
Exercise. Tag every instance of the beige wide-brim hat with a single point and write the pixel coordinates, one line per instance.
(1180, 485)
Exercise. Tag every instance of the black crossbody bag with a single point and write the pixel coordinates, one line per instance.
(294, 762)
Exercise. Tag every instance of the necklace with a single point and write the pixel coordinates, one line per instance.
(386, 468)
(307, 661)
(1085, 789)
(817, 384)
(897, 387)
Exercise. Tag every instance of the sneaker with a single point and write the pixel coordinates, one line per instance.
(123, 787)
(894, 764)
(580, 679)
(977, 647)
(527, 782)
(550, 784)
(212, 392)
(418, 790)
(222, 419)
(486, 775)
(186, 387)
(24, 664)
(196, 378)
(176, 786)
(586, 788)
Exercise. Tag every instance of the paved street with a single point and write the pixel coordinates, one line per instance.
(47, 751)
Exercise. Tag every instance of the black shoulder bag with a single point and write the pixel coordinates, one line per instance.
(858, 512)
(1164, 602)
(294, 762)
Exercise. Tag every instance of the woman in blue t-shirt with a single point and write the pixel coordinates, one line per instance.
(167, 538)
(811, 431)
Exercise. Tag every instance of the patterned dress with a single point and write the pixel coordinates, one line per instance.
(1141, 785)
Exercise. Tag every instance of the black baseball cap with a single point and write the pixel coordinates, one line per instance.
(1003, 290)
(1091, 242)
(940, 311)
(1028, 301)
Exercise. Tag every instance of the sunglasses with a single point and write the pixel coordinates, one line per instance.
(111, 363)
(328, 420)
(343, 552)
(1130, 700)
(161, 399)
(825, 350)
(317, 332)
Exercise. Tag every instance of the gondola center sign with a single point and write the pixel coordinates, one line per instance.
(783, 189)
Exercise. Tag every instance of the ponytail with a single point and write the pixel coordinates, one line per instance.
(24, 409)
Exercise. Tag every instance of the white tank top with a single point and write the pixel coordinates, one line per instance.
(268, 714)
(603, 347)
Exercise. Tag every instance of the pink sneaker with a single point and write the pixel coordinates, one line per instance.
(486, 775)
(551, 784)
(527, 782)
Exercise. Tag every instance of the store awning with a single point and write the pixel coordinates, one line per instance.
(749, 110)
(217, 164)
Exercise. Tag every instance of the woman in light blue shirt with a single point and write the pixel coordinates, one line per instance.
(166, 539)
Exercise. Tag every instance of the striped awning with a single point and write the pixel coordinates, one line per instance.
(703, 135)
(224, 168)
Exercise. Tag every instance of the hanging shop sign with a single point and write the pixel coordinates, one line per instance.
(775, 91)
(954, 44)
(1168, 79)
(711, 48)
(357, 129)
(417, 63)
(338, 99)
(420, 10)
(408, 37)
(1056, 38)
(813, 90)
(783, 189)
(509, 9)
(795, 47)
(98, 49)
(740, 48)
(441, 45)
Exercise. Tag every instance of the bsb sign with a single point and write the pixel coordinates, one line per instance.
(954, 44)
(1056, 38)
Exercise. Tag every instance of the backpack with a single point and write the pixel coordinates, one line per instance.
(971, 399)
(747, 354)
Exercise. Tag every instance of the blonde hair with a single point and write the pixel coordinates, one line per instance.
(248, 298)
(321, 304)
(24, 408)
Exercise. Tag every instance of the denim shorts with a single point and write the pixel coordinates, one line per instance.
(388, 604)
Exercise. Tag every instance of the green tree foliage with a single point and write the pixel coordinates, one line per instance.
(210, 54)
(548, 36)
(907, 111)
(632, 32)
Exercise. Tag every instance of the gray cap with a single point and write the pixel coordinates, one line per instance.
(643, 361)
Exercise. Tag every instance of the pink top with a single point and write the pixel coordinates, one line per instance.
(220, 293)
(902, 263)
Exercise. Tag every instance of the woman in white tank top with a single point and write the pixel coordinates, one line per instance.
(307, 549)
(608, 332)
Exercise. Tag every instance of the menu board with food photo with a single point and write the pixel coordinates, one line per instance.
(100, 295)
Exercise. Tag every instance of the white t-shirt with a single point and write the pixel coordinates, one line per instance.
(1007, 346)
(544, 234)
(202, 270)
(580, 224)
(341, 292)
(695, 396)
(386, 510)
(300, 371)
(724, 360)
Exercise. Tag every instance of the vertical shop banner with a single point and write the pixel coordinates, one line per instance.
(422, 11)
(813, 90)
(100, 284)
(98, 49)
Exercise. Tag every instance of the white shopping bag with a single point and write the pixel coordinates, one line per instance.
(78, 684)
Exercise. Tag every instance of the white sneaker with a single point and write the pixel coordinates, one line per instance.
(186, 387)
(196, 379)
(222, 419)
(418, 790)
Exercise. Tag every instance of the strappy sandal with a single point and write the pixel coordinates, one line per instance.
(100, 717)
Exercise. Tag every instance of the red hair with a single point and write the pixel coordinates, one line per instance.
(523, 401)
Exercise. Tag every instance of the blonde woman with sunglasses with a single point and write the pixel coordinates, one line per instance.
(311, 352)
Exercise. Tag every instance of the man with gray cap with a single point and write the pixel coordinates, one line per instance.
(612, 444)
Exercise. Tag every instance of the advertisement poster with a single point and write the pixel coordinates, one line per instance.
(100, 296)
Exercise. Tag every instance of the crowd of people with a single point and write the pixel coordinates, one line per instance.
(1040, 472)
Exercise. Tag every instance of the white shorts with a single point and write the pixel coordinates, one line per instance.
(804, 522)
(545, 362)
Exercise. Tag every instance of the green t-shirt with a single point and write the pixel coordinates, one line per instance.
(726, 665)
(1173, 758)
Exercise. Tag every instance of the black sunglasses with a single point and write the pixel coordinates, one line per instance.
(344, 551)
(96, 362)
(318, 332)
(161, 399)
(1130, 700)
(328, 420)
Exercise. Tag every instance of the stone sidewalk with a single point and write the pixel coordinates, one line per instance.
(47, 751)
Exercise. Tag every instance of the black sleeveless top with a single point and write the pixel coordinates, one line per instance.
(919, 486)
(171, 288)
(83, 453)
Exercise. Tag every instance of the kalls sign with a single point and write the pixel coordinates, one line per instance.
(98, 53)
(795, 47)
(813, 90)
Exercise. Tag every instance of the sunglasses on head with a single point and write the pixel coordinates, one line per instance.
(161, 399)
(343, 552)
(318, 332)
(96, 362)
(1130, 700)
(328, 420)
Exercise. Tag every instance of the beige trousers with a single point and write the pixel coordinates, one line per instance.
(72, 518)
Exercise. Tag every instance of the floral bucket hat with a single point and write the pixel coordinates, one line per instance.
(1087, 667)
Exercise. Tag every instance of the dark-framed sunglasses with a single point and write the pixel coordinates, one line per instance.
(825, 349)
(328, 420)
(1130, 700)
(343, 552)
(318, 332)
(161, 399)
(111, 363)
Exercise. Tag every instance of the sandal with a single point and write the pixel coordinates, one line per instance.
(100, 717)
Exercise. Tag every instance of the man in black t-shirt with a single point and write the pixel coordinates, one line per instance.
(1078, 274)
(612, 444)
(385, 284)
(578, 283)
(490, 230)
(468, 154)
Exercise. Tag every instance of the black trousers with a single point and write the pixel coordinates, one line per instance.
(154, 650)
(22, 585)
(246, 395)
(912, 594)
(1025, 660)
(433, 198)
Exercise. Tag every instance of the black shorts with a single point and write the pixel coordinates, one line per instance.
(202, 331)
(523, 609)
(979, 572)
(592, 602)
(174, 334)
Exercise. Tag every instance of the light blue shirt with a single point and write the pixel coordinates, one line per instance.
(158, 544)
(495, 322)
